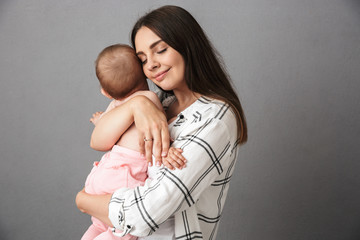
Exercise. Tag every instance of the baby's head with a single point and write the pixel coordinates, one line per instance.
(119, 71)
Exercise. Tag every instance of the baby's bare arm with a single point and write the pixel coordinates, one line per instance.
(145, 108)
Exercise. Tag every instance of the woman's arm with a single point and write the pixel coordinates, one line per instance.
(150, 121)
(208, 149)
(208, 146)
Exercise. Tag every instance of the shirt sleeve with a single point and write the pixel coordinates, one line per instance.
(207, 148)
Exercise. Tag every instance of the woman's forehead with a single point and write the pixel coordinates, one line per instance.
(146, 39)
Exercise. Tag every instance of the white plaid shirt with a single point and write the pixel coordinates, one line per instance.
(195, 195)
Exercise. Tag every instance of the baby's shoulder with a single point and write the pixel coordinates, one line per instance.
(146, 93)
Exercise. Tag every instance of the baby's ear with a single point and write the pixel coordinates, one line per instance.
(103, 92)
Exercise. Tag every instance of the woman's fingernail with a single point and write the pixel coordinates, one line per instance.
(150, 164)
(158, 164)
(163, 154)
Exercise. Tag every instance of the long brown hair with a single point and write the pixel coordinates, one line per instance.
(204, 72)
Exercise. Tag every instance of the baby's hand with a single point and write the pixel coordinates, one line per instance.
(95, 117)
(174, 159)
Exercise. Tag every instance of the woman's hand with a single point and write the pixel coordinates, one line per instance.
(151, 122)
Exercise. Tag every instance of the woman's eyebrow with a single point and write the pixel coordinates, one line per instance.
(151, 47)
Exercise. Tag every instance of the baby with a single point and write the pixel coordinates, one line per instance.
(121, 78)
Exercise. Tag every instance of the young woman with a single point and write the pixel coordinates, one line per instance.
(205, 120)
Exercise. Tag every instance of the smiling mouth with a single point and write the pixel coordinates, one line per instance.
(161, 75)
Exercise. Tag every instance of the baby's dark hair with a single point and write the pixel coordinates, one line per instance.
(119, 70)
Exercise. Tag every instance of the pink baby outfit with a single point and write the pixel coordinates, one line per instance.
(121, 167)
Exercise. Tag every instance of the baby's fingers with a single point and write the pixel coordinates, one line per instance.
(177, 152)
(175, 159)
(167, 163)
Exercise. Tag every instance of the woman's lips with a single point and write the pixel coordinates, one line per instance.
(161, 75)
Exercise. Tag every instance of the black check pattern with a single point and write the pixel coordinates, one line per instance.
(195, 195)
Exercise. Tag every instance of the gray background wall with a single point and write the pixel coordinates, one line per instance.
(295, 65)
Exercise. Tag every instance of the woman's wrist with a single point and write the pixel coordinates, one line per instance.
(152, 126)
(138, 103)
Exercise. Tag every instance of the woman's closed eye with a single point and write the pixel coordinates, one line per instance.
(161, 51)
(143, 61)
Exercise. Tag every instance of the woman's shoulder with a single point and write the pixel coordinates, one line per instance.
(206, 108)
(207, 119)
(213, 107)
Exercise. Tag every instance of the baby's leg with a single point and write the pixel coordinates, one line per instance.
(108, 235)
(91, 233)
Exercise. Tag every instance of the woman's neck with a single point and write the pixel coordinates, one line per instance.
(185, 99)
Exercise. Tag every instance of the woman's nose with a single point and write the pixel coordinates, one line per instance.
(152, 64)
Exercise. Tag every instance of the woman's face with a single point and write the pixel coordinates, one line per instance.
(161, 63)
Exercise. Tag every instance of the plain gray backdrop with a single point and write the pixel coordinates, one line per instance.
(295, 65)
